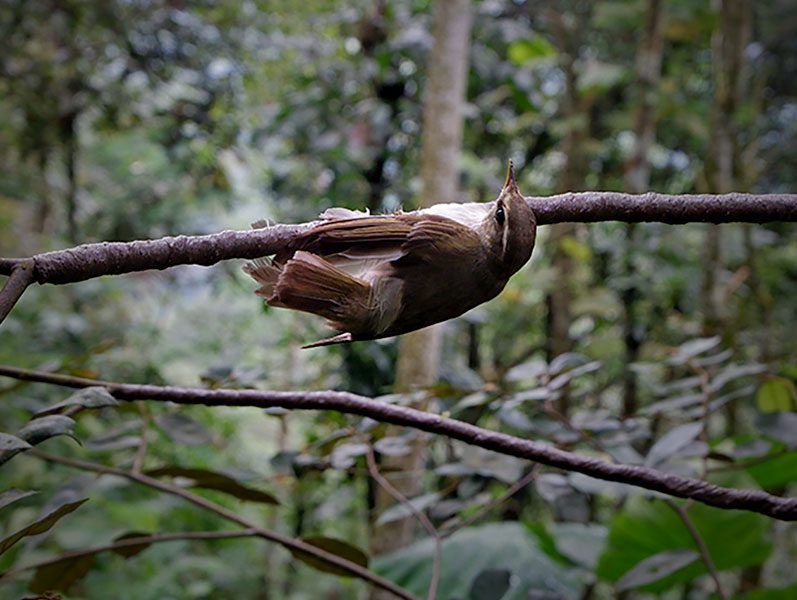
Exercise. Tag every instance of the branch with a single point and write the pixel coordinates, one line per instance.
(591, 207)
(651, 479)
(128, 543)
(350, 567)
(22, 274)
(705, 555)
(114, 258)
(425, 521)
(511, 491)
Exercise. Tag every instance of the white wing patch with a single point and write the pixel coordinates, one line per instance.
(337, 213)
(470, 214)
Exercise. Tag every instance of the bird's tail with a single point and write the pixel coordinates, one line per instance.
(311, 284)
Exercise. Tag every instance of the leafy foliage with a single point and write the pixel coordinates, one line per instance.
(121, 120)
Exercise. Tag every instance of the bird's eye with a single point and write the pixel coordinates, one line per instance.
(499, 215)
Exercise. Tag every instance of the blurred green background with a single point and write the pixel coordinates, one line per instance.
(132, 119)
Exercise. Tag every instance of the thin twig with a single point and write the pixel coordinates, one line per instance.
(652, 479)
(484, 509)
(683, 514)
(22, 274)
(707, 393)
(750, 462)
(155, 538)
(141, 452)
(550, 409)
(427, 524)
(292, 544)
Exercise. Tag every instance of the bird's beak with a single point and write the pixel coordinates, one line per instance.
(510, 189)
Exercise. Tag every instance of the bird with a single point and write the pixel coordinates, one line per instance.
(377, 276)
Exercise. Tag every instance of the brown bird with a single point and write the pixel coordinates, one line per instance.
(378, 276)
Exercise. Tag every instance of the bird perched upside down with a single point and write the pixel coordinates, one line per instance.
(378, 276)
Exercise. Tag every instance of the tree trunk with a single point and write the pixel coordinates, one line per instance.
(69, 139)
(637, 180)
(419, 352)
(576, 114)
(728, 45)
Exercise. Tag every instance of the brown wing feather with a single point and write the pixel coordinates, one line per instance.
(397, 234)
(440, 239)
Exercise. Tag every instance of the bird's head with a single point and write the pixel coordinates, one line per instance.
(510, 227)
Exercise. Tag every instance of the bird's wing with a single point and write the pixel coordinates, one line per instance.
(440, 239)
(362, 245)
(359, 246)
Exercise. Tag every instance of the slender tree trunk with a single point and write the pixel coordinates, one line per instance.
(71, 148)
(728, 44)
(637, 180)
(576, 115)
(420, 352)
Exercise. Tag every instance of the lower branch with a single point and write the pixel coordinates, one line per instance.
(350, 567)
(705, 555)
(425, 521)
(673, 485)
(130, 542)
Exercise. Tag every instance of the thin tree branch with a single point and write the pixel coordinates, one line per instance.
(673, 485)
(510, 491)
(21, 275)
(683, 514)
(155, 538)
(141, 453)
(352, 568)
(591, 207)
(114, 258)
(425, 521)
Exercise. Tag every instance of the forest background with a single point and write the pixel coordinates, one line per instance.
(666, 346)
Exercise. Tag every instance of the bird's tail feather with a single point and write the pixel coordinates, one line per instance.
(311, 284)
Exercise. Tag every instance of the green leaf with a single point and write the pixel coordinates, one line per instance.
(547, 543)
(43, 428)
(41, 525)
(693, 348)
(490, 584)
(12, 495)
(581, 543)
(780, 426)
(776, 395)
(530, 51)
(10, 442)
(183, 429)
(10, 446)
(90, 397)
(671, 442)
(215, 481)
(507, 546)
(776, 472)
(402, 511)
(644, 529)
(392, 446)
(786, 593)
(61, 575)
(131, 550)
(657, 567)
(333, 546)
